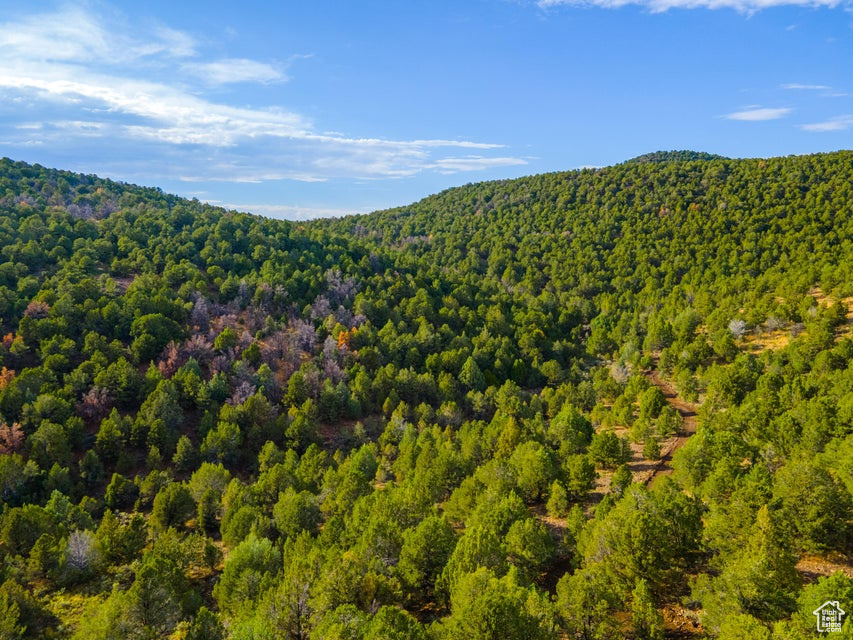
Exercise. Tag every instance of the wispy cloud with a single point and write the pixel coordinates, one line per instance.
(95, 80)
(825, 90)
(759, 114)
(471, 163)
(234, 70)
(657, 6)
(75, 35)
(288, 212)
(795, 86)
(838, 123)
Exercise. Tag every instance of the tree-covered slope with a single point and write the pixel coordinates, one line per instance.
(411, 423)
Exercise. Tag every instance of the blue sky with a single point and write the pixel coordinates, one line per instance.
(299, 109)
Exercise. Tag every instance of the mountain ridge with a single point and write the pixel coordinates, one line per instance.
(100, 194)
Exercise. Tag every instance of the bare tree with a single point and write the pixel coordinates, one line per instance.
(11, 438)
(620, 372)
(200, 316)
(306, 335)
(220, 364)
(332, 360)
(344, 316)
(81, 552)
(96, 403)
(737, 327)
(321, 308)
(340, 289)
(200, 348)
(170, 360)
(37, 309)
(773, 324)
(243, 392)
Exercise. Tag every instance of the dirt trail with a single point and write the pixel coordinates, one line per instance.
(813, 567)
(646, 471)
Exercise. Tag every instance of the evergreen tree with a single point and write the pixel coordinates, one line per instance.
(646, 621)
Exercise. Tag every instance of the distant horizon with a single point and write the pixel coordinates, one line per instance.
(283, 208)
(301, 110)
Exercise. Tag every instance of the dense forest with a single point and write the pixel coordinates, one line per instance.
(463, 418)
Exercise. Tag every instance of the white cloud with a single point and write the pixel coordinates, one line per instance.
(74, 35)
(55, 37)
(172, 42)
(97, 84)
(234, 70)
(173, 116)
(287, 212)
(81, 127)
(759, 114)
(657, 6)
(806, 87)
(473, 163)
(838, 123)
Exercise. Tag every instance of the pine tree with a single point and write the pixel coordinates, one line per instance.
(645, 618)
(471, 376)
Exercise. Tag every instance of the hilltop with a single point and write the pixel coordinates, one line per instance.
(675, 156)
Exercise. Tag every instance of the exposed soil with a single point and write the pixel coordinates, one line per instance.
(814, 567)
(680, 623)
(648, 471)
(760, 338)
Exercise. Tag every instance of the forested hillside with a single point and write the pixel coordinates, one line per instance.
(427, 422)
